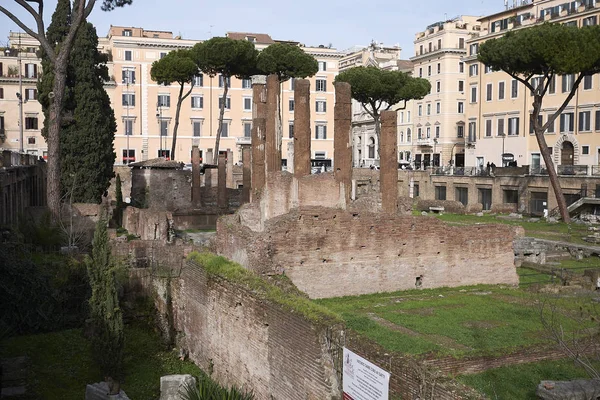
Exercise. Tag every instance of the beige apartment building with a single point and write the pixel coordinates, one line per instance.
(145, 111)
(21, 117)
(499, 108)
(434, 136)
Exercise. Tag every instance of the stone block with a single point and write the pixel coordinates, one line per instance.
(171, 386)
(579, 389)
(99, 391)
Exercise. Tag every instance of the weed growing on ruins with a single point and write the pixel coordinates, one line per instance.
(233, 272)
(207, 389)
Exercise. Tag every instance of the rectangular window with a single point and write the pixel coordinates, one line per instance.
(1, 92)
(227, 103)
(1, 126)
(30, 94)
(439, 68)
(437, 132)
(247, 129)
(598, 120)
(462, 195)
(461, 107)
(552, 86)
(488, 128)
(428, 132)
(321, 106)
(567, 83)
(488, 69)
(585, 150)
(247, 103)
(420, 110)
(128, 127)
(128, 100)
(461, 67)
(438, 108)
(291, 130)
(246, 83)
(225, 129)
(514, 89)
(461, 86)
(322, 65)
(127, 32)
(461, 43)
(30, 70)
(500, 90)
(128, 76)
(550, 127)
(31, 140)
(128, 55)
(420, 72)
(31, 123)
(472, 131)
(473, 94)
(164, 127)
(513, 126)
(587, 82)
(197, 102)
(440, 192)
(585, 123)
(428, 109)
(128, 156)
(460, 131)
(199, 80)
(438, 86)
(222, 81)
(511, 196)
(162, 55)
(321, 85)
(474, 49)
(500, 131)
(164, 100)
(321, 132)
(589, 21)
(197, 128)
(567, 121)
(474, 70)
(488, 92)
(164, 153)
(291, 105)
(429, 70)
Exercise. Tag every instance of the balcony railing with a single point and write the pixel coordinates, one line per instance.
(461, 171)
(572, 170)
(538, 170)
(425, 142)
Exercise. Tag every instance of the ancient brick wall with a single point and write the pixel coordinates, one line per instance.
(22, 185)
(330, 253)
(250, 342)
(162, 189)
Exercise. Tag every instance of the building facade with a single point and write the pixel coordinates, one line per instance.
(145, 110)
(438, 124)
(499, 107)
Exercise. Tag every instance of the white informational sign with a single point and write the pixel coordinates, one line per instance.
(364, 380)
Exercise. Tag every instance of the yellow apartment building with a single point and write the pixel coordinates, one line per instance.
(145, 111)
(499, 108)
(434, 136)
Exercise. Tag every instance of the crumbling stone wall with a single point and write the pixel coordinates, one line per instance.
(251, 342)
(22, 185)
(329, 252)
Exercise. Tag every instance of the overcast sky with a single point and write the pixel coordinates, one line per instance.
(340, 23)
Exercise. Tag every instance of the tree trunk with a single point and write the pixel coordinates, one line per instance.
(221, 113)
(180, 100)
(560, 198)
(55, 116)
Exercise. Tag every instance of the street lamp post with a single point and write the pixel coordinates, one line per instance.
(127, 133)
(159, 117)
(502, 155)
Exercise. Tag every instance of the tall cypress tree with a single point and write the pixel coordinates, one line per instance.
(88, 122)
(87, 153)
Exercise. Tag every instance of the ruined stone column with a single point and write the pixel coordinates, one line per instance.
(195, 175)
(208, 173)
(302, 135)
(222, 186)
(342, 137)
(229, 181)
(273, 141)
(388, 160)
(246, 178)
(259, 114)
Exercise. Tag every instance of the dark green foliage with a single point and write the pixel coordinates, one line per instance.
(105, 313)
(39, 293)
(88, 123)
(546, 48)
(286, 61)
(221, 55)
(87, 153)
(109, 5)
(207, 389)
(376, 87)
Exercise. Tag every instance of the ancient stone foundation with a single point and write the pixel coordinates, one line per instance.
(330, 252)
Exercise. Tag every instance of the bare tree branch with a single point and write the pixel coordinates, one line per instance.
(565, 103)
(89, 8)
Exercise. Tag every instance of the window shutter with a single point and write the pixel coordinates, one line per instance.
(192, 104)
(1, 70)
(132, 77)
(26, 94)
(324, 132)
(571, 122)
(124, 99)
(168, 101)
(598, 120)
(1, 92)
(324, 107)
(132, 100)
(35, 96)
(35, 70)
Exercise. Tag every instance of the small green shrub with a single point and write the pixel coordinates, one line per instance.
(207, 389)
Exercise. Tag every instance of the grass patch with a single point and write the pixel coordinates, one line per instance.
(520, 381)
(480, 320)
(61, 363)
(233, 272)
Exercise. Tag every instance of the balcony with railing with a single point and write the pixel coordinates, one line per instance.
(425, 142)
(572, 170)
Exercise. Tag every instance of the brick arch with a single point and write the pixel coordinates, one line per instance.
(558, 148)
